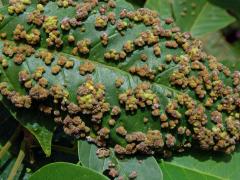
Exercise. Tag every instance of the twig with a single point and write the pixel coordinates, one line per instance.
(18, 162)
(9, 143)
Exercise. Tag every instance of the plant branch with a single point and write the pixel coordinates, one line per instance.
(18, 162)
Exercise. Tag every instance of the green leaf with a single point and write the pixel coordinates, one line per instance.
(216, 45)
(172, 171)
(137, 4)
(106, 72)
(146, 167)
(196, 165)
(227, 53)
(62, 171)
(232, 5)
(40, 125)
(197, 17)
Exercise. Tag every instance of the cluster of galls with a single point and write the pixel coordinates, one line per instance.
(20, 101)
(115, 55)
(31, 38)
(143, 71)
(86, 67)
(54, 36)
(18, 6)
(141, 96)
(148, 38)
(217, 138)
(139, 142)
(102, 20)
(66, 3)
(74, 126)
(207, 81)
(91, 100)
(82, 11)
(36, 17)
(83, 47)
(18, 53)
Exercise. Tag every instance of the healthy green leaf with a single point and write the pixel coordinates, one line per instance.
(62, 171)
(197, 17)
(232, 5)
(146, 167)
(172, 171)
(195, 165)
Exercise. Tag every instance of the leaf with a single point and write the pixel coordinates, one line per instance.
(4, 2)
(213, 165)
(227, 53)
(197, 17)
(61, 171)
(172, 171)
(232, 5)
(216, 45)
(107, 71)
(137, 4)
(146, 167)
(40, 125)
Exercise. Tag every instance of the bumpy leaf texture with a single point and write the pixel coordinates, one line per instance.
(115, 76)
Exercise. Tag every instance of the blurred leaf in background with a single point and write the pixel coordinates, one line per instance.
(216, 44)
(231, 5)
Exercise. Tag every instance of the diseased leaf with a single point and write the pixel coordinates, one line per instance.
(145, 167)
(197, 17)
(170, 92)
(62, 171)
(196, 165)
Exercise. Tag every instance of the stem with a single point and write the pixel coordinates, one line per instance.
(9, 143)
(18, 162)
